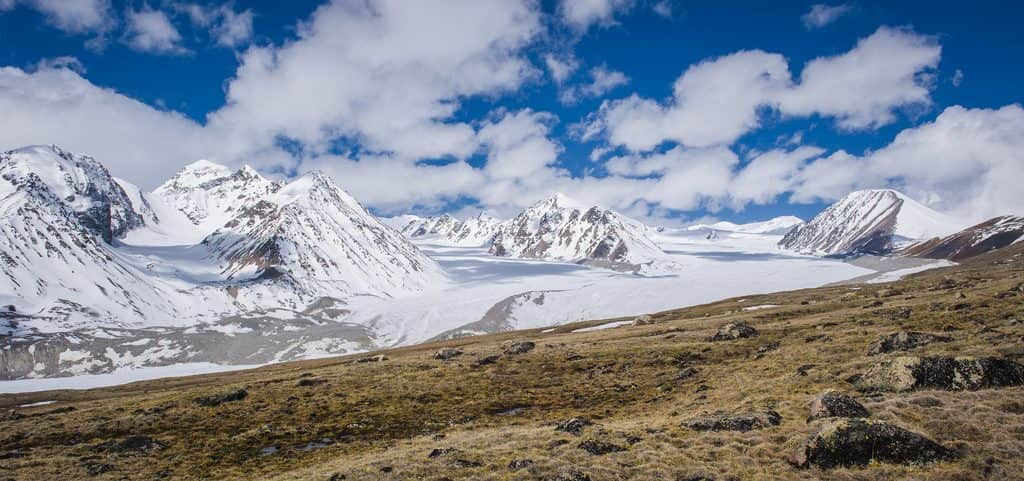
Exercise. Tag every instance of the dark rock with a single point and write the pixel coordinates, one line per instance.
(484, 361)
(857, 442)
(765, 349)
(519, 347)
(465, 463)
(131, 444)
(573, 425)
(948, 373)
(802, 370)
(386, 469)
(696, 476)
(744, 421)
(307, 382)
(11, 415)
(439, 452)
(835, 404)
(570, 476)
(377, 358)
(733, 331)
(903, 341)
(598, 448)
(218, 399)
(336, 477)
(447, 354)
(558, 442)
(686, 373)
(96, 469)
(517, 464)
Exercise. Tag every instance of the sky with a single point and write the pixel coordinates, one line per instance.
(669, 111)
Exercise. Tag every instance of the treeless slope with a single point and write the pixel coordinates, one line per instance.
(484, 415)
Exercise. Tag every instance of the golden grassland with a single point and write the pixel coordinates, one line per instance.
(335, 419)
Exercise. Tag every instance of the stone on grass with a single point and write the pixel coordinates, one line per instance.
(947, 373)
(858, 442)
(519, 347)
(903, 341)
(214, 400)
(743, 421)
(834, 404)
(573, 425)
(733, 331)
(598, 448)
(447, 354)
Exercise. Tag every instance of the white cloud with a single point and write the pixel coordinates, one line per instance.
(958, 78)
(64, 61)
(821, 15)
(149, 30)
(72, 16)
(582, 14)
(663, 8)
(718, 100)
(227, 27)
(560, 68)
(602, 81)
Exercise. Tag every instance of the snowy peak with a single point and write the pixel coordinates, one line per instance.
(474, 231)
(195, 174)
(992, 234)
(558, 228)
(775, 226)
(79, 183)
(868, 222)
(210, 194)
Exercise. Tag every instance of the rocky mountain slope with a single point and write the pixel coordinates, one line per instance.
(475, 231)
(559, 228)
(776, 226)
(992, 234)
(868, 222)
(918, 379)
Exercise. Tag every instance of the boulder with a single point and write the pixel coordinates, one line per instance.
(743, 421)
(733, 331)
(573, 425)
(519, 347)
(485, 361)
(517, 464)
(834, 404)
(569, 476)
(447, 354)
(857, 442)
(598, 448)
(213, 400)
(903, 341)
(947, 373)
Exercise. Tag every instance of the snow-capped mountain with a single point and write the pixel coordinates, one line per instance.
(992, 234)
(868, 222)
(321, 239)
(475, 231)
(559, 228)
(775, 226)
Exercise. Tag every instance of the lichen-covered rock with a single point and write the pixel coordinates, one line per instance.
(447, 354)
(733, 331)
(948, 373)
(834, 404)
(599, 448)
(744, 421)
(218, 399)
(857, 442)
(519, 347)
(903, 341)
(573, 425)
(570, 476)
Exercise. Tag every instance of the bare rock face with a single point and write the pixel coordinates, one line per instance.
(733, 331)
(834, 404)
(947, 373)
(857, 442)
(743, 421)
(904, 341)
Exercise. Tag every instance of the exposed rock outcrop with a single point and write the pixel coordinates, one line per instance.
(904, 341)
(857, 442)
(947, 373)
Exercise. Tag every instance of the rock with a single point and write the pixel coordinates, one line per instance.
(765, 349)
(952, 374)
(696, 476)
(336, 477)
(377, 358)
(686, 373)
(136, 444)
(439, 452)
(570, 476)
(733, 331)
(642, 320)
(310, 382)
(903, 341)
(218, 399)
(517, 464)
(11, 415)
(834, 404)
(484, 361)
(744, 421)
(447, 354)
(573, 425)
(857, 442)
(519, 347)
(802, 370)
(96, 469)
(465, 463)
(599, 448)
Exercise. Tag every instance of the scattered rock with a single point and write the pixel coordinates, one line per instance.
(96, 469)
(570, 476)
(744, 421)
(686, 373)
(642, 320)
(802, 370)
(948, 373)
(696, 476)
(834, 404)
(138, 444)
(817, 337)
(517, 464)
(465, 463)
(377, 358)
(857, 442)
(336, 477)
(307, 382)
(447, 354)
(903, 341)
(573, 425)
(439, 452)
(733, 331)
(218, 399)
(599, 448)
(519, 347)
(485, 361)
(11, 415)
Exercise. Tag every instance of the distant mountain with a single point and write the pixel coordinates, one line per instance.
(775, 226)
(992, 234)
(475, 231)
(559, 228)
(868, 222)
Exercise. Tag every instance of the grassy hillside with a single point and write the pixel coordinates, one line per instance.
(411, 416)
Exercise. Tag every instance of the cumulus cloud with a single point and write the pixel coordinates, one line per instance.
(582, 14)
(663, 8)
(716, 101)
(821, 15)
(149, 30)
(72, 16)
(227, 27)
(602, 81)
(560, 68)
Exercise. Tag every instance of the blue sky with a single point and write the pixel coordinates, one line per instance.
(461, 107)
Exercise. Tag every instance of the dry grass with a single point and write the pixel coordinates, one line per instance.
(383, 419)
